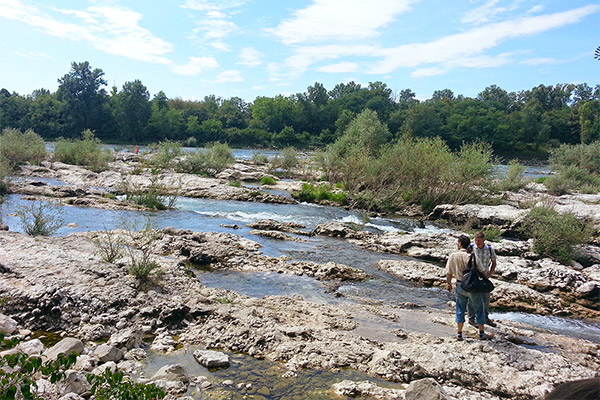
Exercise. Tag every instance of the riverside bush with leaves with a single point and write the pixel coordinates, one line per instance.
(40, 218)
(113, 385)
(554, 234)
(85, 152)
(166, 154)
(385, 176)
(513, 180)
(315, 193)
(577, 167)
(19, 371)
(154, 196)
(214, 159)
(139, 245)
(17, 148)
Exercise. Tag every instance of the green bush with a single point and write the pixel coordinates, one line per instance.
(155, 195)
(211, 161)
(513, 180)
(40, 218)
(554, 234)
(110, 246)
(19, 371)
(311, 193)
(577, 168)
(139, 245)
(235, 184)
(287, 160)
(259, 158)
(267, 180)
(166, 154)
(85, 152)
(17, 148)
(113, 385)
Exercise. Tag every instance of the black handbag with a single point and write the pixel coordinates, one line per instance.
(473, 281)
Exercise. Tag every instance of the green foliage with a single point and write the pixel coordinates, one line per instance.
(554, 234)
(85, 152)
(410, 171)
(287, 161)
(110, 246)
(19, 371)
(267, 180)
(40, 218)
(311, 193)
(492, 233)
(166, 154)
(18, 148)
(155, 196)
(211, 161)
(113, 385)
(259, 158)
(578, 168)
(139, 245)
(235, 184)
(513, 180)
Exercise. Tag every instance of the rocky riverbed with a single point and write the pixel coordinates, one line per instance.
(62, 284)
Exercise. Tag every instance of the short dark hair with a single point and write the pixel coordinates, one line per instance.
(464, 241)
(582, 389)
(479, 234)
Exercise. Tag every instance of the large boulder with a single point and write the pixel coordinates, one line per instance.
(65, 346)
(212, 359)
(426, 388)
(7, 324)
(105, 353)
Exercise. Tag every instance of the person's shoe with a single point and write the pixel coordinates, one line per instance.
(491, 323)
(485, 336)
(472, 323)
(459, 336)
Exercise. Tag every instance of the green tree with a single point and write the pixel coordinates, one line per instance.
(132, 110)
(84, 98)
(45, 114)
(589, 120)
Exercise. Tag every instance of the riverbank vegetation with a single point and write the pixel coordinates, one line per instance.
(525, 124)
(85, 151)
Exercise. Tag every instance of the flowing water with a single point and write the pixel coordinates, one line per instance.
(388, 291)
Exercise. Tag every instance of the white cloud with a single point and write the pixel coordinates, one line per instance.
(540, 61)
(535, 9)
(329, 20)
(339, 67)
(206, 5)
(229, 76)
(250, 57)
(475, 41)
(114, 30)
(220, 45)
(215, 28)
(195, 66)
(483, 14)
(33, 55)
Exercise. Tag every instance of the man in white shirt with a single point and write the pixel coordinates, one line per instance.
(485, 256)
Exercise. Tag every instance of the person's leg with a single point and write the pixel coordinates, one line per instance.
(486, 303)
(471, 313)
(479, 306)
(461, 308)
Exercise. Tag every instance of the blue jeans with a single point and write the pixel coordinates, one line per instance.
(486, 309)
(475, 299)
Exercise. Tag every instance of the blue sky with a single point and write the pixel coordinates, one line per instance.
(250, 48)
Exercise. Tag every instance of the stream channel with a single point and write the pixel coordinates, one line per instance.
(386, 290)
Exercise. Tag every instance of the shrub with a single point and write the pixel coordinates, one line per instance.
(139, 245)
(19, 371)
(40, 218)
(110, 246)
(311, 193)
(113, 385)
(287, 160)
(166, 154)
(259, 158)
(155, 196)
(211, 161)
(267, 180)
(85, 152)
(492, 233)
(235, 184)
(554, 234)
(513, 180)
(577, 167)
(17, 148)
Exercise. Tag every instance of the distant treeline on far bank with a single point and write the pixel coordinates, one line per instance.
(524, 124)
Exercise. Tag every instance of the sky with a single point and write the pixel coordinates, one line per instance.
(248, 48)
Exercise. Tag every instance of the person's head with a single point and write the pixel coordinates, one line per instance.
(464, 242)
(582, 389)
(479, 239)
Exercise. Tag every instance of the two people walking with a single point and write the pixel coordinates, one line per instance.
(476, 304)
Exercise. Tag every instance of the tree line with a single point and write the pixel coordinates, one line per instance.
(528, 123)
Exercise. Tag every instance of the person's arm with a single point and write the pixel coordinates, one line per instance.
(449, 282)
(492, 268)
